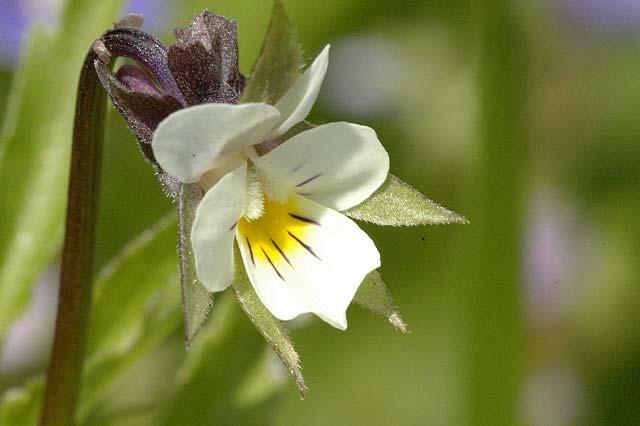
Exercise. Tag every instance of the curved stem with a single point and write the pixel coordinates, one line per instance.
(65, 367)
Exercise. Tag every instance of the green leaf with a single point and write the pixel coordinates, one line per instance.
(374, 295)
(271, 329)
(280, 61)
(396, 203)
(35, 146)
(21, 406)
(196, 300)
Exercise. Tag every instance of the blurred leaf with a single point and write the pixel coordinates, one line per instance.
(374, 295)
(35, 146)
(21, 406)
(163, 320)
(271, 329)
(280, 61)
(224, 352)
(122, 416)
(134, 308)
(125, 285)
(264, 381)
(5, 83)
(196, 300)
(396, 203)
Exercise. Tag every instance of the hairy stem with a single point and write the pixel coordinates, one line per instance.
(65, 367)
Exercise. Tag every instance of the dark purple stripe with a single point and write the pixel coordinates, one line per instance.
(308, 248)
(304, 219)
(281, 252)
(271, 263)
(251, 252)
(298, 167)
(312, 178)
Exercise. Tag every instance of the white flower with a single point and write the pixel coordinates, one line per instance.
(282, 208)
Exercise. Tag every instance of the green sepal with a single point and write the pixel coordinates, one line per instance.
(374, 295)
(271, 329)
(196, 300)
(397, 203)
(280, 61)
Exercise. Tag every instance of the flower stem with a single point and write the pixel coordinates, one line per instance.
(65, 367)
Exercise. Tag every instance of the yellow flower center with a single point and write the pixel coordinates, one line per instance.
(276, 234)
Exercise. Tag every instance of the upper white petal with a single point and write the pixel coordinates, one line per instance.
(214, 229)
(307, 258)
(338, 165)
(295, 104)
(193, 140)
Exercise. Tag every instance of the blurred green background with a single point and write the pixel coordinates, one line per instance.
(522, 116)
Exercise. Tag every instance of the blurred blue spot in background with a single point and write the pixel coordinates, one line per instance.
(17, 16)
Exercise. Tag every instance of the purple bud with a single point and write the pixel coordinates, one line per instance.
(148, 51)
(204, 60)
(141, 104)
(137, 80)
(202, 67)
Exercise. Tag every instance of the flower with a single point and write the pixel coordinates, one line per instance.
(283, 208)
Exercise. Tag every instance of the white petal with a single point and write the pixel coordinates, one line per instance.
(302, 257)
(193, 140)
(214, 229)
(295, 104)
(338, 165)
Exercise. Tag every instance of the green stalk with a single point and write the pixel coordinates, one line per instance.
(493, 279)
(65, 367)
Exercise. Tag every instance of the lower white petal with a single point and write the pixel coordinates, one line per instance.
(303, 257)
(214, 229)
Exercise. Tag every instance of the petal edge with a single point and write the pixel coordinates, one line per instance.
(297, 102)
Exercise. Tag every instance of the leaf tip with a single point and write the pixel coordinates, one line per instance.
(396, 320)
(193, 326)
(302, 387)
(458, 218)
(277, 5)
